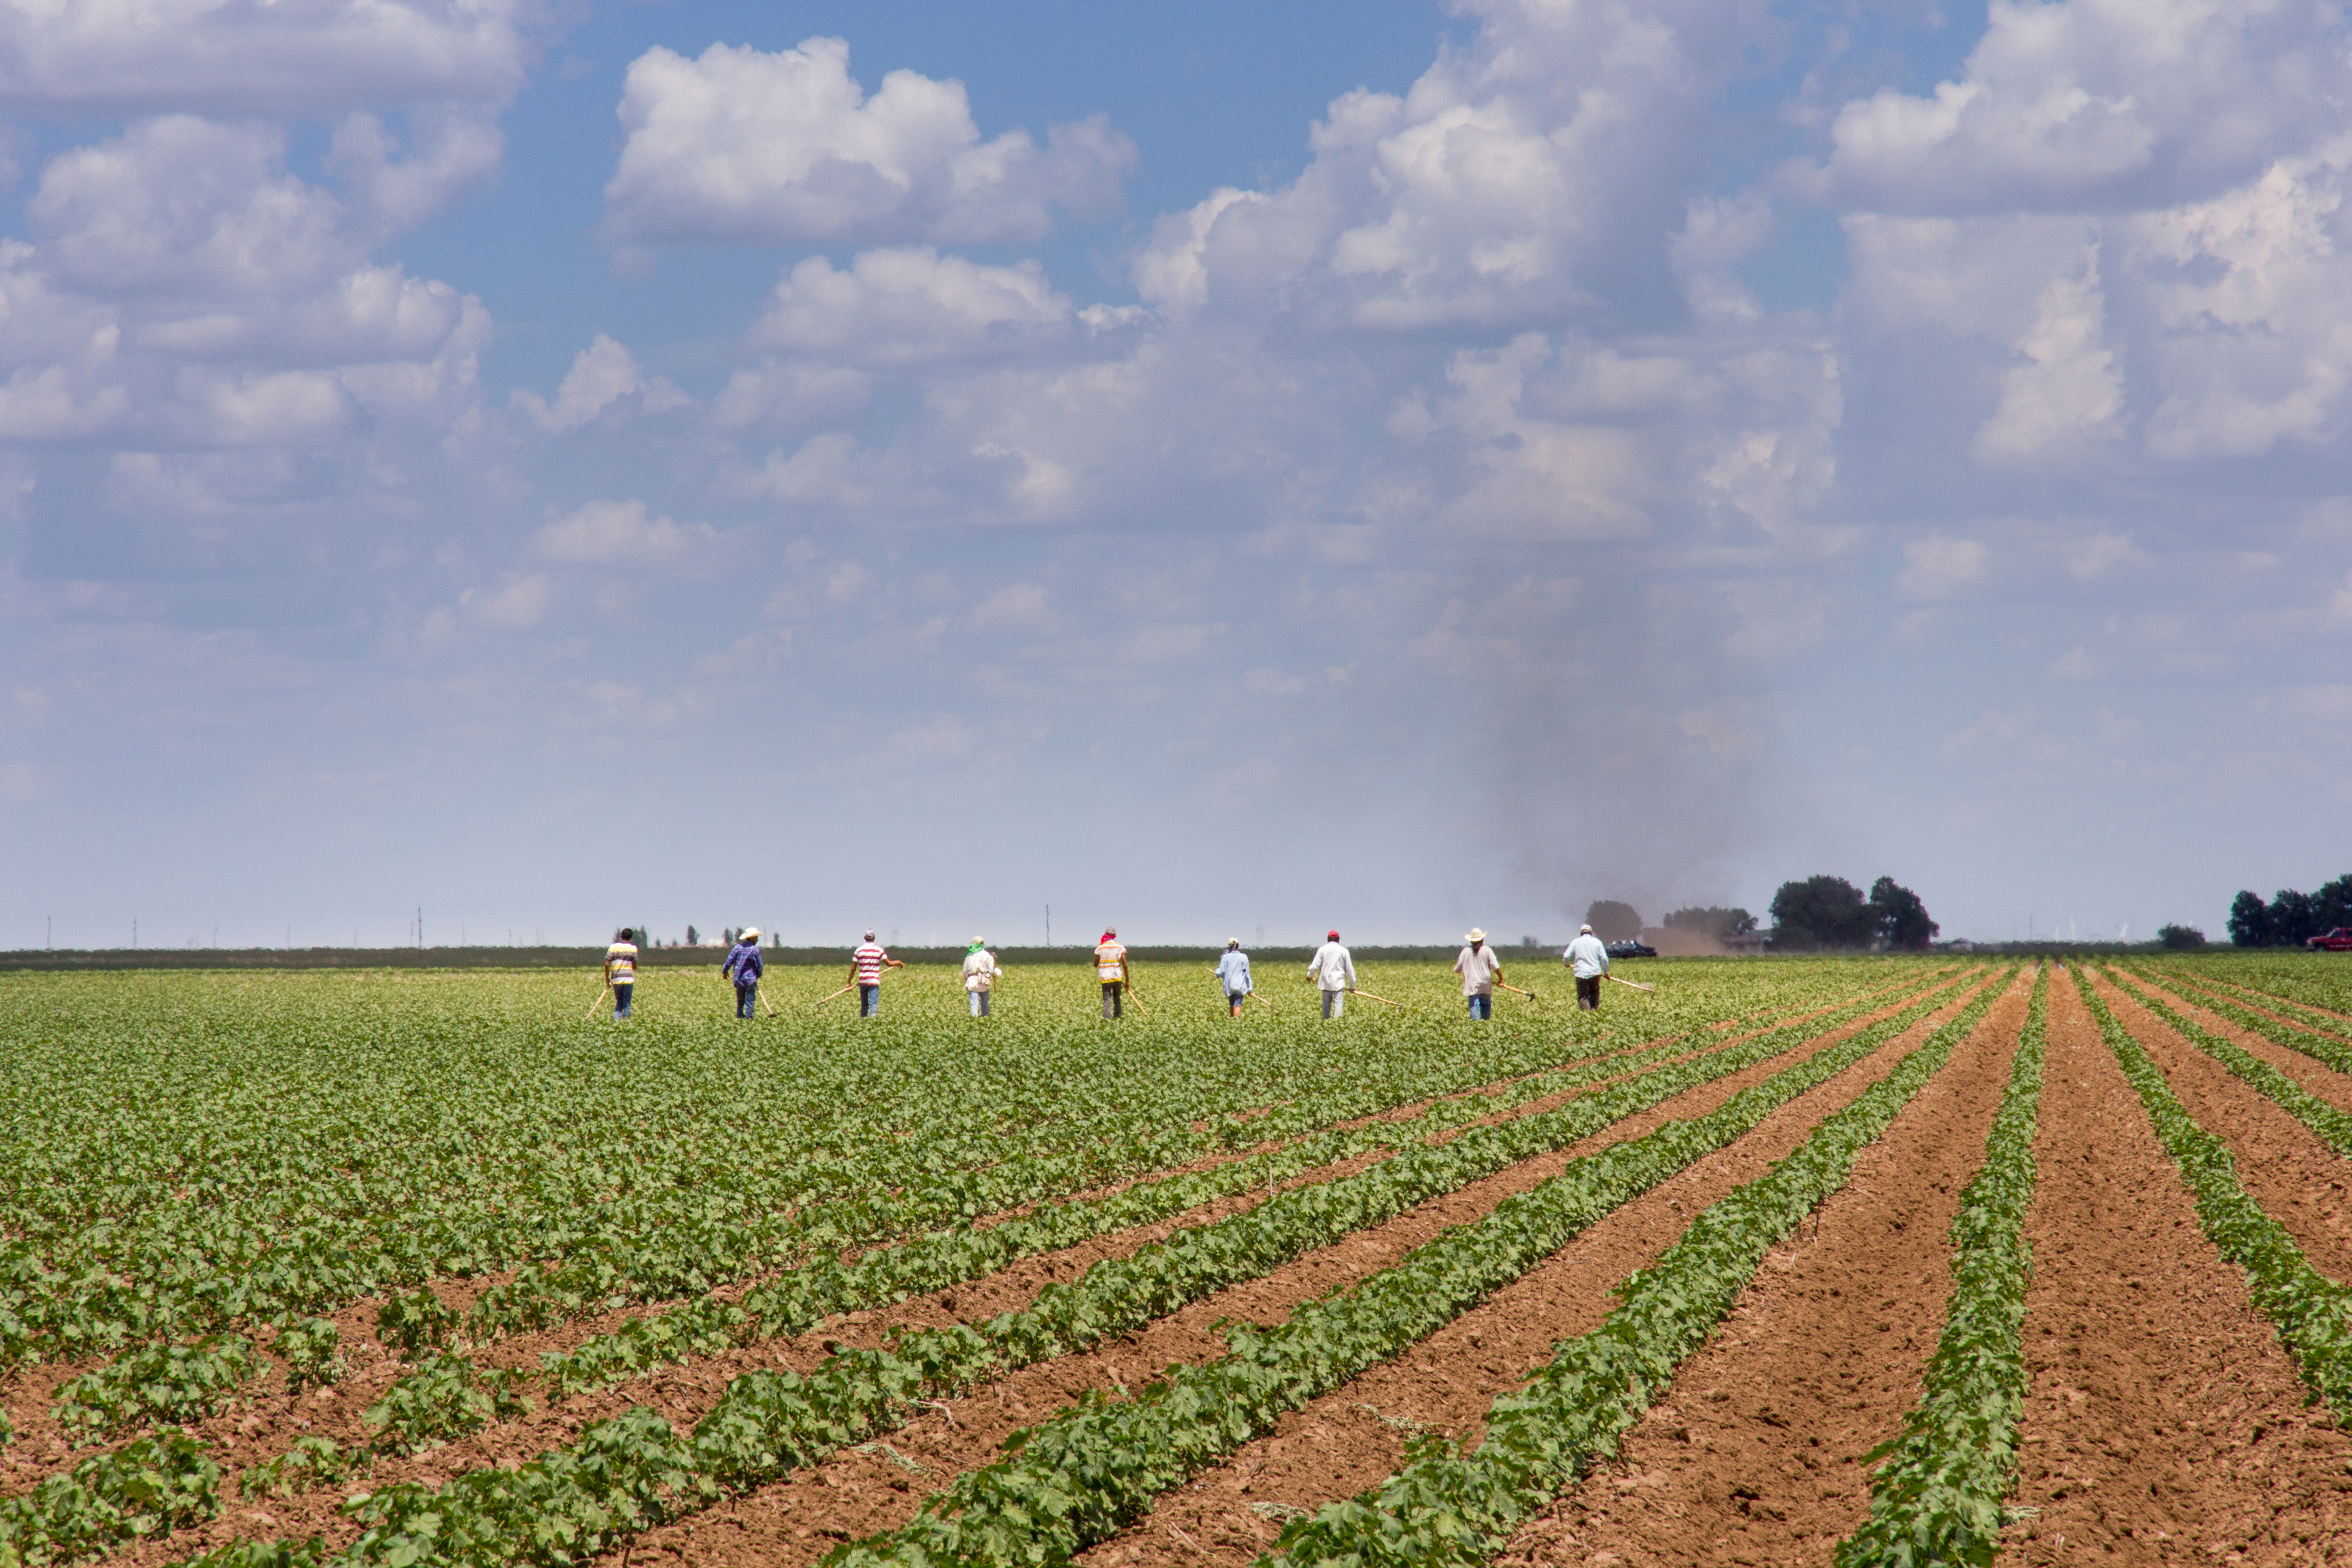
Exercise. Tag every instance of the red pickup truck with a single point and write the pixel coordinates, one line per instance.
(2336, 940)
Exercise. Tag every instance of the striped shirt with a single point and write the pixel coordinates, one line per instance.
(621, 964)
(1110, 963)
(869, 959)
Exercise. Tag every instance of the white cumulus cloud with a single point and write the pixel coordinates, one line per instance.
(744, 144)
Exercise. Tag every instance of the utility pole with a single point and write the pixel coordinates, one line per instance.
(134, 931)
(1049, 925)
(420, 925)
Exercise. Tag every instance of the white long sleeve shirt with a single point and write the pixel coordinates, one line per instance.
(1587, 956)
(1332, 968)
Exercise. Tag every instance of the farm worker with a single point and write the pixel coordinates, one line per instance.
(865, 967)
(1588, 960)
(621, 969)
(1479, 969)
(980, 971)
(1333, 973)
(744, 968)
(1110, 968)
(1233, 973)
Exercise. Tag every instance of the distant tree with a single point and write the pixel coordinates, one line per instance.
(2249, 921)
(1613, 921)
(1822, 911)
(1900, 918)
(2292, 920)
(692, 939)
(1709, 920)
(1530, 943)
(2181, 937)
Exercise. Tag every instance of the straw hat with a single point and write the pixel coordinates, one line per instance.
(1477, 934)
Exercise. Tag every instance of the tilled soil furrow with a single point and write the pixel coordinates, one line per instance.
(2322, 1080)
(2285, 1167)
(2342, 1020)
(1757, 1455)
(2164, 1423)
(862, 1493)
(685, 1392)
(2199, 990)
(1354, 1437)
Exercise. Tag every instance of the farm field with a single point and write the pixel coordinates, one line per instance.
(1840, 1261)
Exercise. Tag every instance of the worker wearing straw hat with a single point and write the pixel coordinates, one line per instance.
(1334, 974)
(1587, 958)
(980, 971)
(1479, 969)
(744, 968)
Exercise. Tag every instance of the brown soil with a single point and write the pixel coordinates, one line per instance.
(682, 1392)
(2340, 1017)
(2164, 1423)
(862, 1493)
(2201, 986)
(1756, 1453)
(2313, 1075)
(2288, 1168)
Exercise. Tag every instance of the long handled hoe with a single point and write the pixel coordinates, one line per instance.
(1634, 983)
(1371, 997)
(1528, 994)
(600, 1000)
(822, 1000)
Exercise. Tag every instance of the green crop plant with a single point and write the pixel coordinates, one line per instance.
(309, 1350)
(169, 1383)
(1452, 1509)
(2312, 1313)
(445, 1398)
(1937, 1498)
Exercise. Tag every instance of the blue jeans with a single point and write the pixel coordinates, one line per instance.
(745, 996)
(1481, 1007)
(978, 1002)
(869, 1001)
(621, 998)
(1335, 1003)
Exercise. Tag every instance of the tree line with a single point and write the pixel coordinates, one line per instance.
(1820, 912)
(2290, 917)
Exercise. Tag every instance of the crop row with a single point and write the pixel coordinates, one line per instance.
(2220, 985)
(805, 1296)
(180, 1381)
(2311, 1313)
(2333, 1126)
(2319, 1048)
(1937, 1498)
(1448, 1505)
(628, 1472)
(245, 1206)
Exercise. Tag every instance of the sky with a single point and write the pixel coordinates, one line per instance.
(1219, 470)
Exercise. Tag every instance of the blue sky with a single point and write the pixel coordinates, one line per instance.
(1234, 468)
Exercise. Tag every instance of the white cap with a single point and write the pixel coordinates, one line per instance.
(1584, 930)
(751, 933)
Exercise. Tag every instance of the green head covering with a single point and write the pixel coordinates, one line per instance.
(976, 945)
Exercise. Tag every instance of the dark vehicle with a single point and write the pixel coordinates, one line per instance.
(2336, 940)
(1631, 950)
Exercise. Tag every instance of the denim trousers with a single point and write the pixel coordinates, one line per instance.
(745, 996)
(869, 1001)
(621, 998)
(1481, 1007)
(978, 1002)
(1334, 1003)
